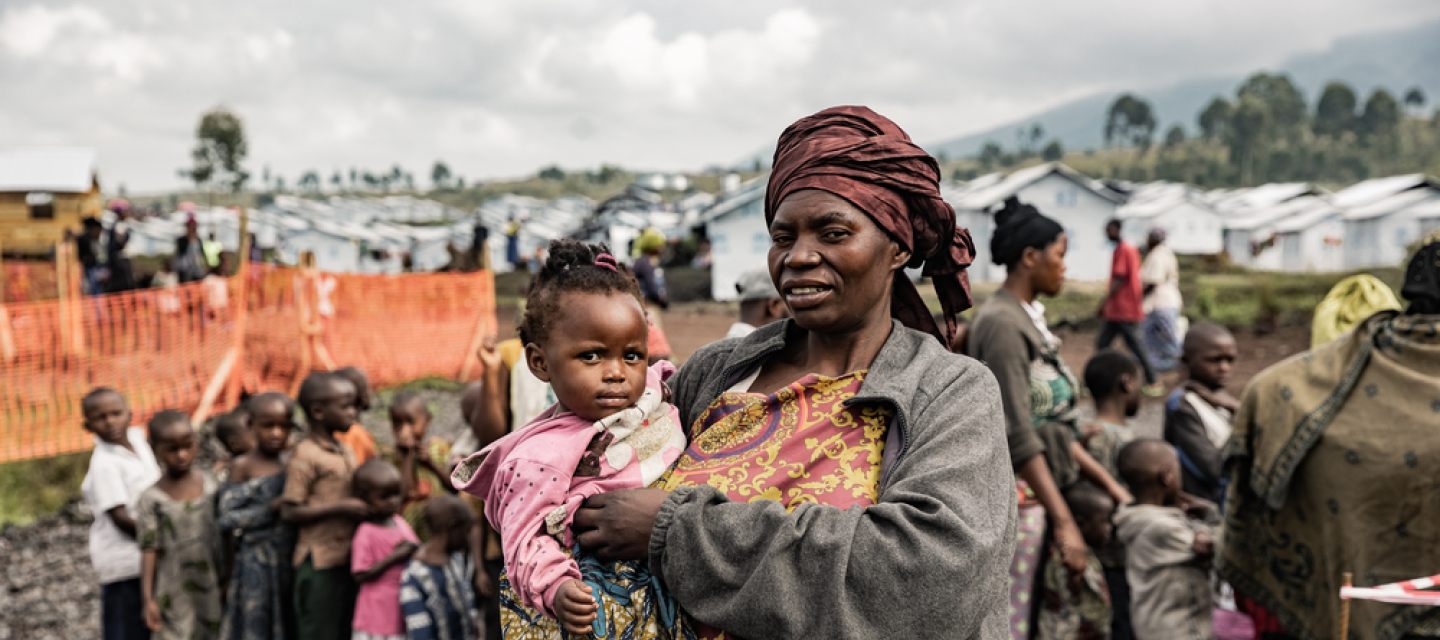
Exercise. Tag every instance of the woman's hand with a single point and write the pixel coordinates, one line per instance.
(617, 525)
(1073, 553)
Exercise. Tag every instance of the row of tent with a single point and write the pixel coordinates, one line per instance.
(1295, 227)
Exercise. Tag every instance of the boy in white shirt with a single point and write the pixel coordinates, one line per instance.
(121, 467)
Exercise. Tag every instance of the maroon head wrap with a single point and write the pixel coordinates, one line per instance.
(863, 157)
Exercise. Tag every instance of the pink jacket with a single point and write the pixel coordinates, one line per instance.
(534, 479)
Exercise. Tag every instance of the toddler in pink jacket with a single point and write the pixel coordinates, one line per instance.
(611, 428)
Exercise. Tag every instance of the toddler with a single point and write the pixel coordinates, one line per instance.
(258, 607)
(436, 594)
(383, 544)
(1079, 608)
(1169, 543)
(611, 428)
(180, 574)
(121, 468)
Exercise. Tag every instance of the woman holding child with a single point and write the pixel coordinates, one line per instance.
(845, 475)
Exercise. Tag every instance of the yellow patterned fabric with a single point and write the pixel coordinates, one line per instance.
(800, 444)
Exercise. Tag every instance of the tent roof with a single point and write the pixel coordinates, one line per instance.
(66, 169)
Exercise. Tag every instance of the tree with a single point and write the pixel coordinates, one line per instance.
(552, 172)
(1215, 119)
(1130, 119)
(1335, 112)
(1415, 98)
(610, 172)
(1281, 99)
(1246, 134)
(310, 181)
(354, 174)
(1381, 116)
(265, 176)
(440, 174)
(337, 181)
(989, 154)
(1174, 137)
(409, 182)
(279, 184)
(1053, 151)
(220, 147)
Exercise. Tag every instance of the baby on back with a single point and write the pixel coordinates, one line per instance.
(585, 333)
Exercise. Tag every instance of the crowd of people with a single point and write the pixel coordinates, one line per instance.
(834, 467)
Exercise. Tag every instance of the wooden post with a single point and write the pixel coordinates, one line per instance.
(241, 304)
(1344, 609)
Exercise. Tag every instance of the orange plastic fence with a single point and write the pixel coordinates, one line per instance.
(161, 348)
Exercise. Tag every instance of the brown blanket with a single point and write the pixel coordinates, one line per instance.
(1334, 466)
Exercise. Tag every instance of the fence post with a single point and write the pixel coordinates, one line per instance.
(242, 312)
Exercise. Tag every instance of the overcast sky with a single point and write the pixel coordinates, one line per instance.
(502, 88)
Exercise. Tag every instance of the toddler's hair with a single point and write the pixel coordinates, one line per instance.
(164, 421)
(368, 475)
(1103, 371)
(1138, 462)
(254, 404)
(229, 425)
(1087, 501)
(571, 267)
(96, 394)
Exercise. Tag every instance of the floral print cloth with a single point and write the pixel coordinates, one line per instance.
(259, 604)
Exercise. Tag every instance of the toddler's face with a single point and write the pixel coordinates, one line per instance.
(387, 496)
(595, 354)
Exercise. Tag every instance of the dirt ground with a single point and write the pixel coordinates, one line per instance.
(49, 589)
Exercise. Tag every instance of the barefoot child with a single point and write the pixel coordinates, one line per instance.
(121, 468)
(259, 605)
(436, 593)
(418, 458)
(1169, 545)
(383, 544)
(585, 334)
(180, 574)
(1198, 415)
(317, 498)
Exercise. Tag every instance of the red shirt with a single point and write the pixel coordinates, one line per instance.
(1124, 304)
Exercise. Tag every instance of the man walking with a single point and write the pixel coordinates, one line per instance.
(1122, 309)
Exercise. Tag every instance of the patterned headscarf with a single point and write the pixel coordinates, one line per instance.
(863, 157)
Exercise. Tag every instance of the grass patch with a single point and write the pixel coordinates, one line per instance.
(33, 488)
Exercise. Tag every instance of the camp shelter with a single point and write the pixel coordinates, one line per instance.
(739, 239)
(1079, 203)
(1192, 226)
(44, 192)
(1383, 217)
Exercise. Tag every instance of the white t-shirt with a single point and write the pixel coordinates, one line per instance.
(1036, 311)
(1162, 270)
(739, 330)
(117, 477)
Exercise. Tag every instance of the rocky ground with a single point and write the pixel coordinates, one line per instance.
(50, 590)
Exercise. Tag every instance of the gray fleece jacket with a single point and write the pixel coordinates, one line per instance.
(930, 560)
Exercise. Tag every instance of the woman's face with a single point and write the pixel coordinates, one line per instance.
(832, 264)
(1047, 273)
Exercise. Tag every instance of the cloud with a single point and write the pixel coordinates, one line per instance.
(502, 88)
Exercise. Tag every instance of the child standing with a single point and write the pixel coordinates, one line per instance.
(418, 458)
(1114, 380)
(317, 498)
(121, 468)
(1080, 608)
(180, 575)
(436, 596)
(383, 544)
(1169, 544)
(585, 334)
(259, 604)
(1199, 415)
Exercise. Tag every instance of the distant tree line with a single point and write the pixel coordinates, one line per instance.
(1267, 133)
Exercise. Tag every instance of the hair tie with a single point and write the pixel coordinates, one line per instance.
(607, 261)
